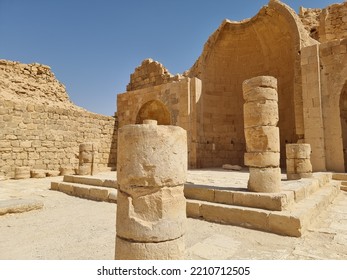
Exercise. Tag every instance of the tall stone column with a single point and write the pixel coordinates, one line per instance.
(151, 207)
(87, 159)
(298, 161)
(262, 134)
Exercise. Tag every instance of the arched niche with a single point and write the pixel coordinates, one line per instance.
(154, 110)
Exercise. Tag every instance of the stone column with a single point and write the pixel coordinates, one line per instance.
(262, 134)
(87, 156)
(151, 207)
(298, 161)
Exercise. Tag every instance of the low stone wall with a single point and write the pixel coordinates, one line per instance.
(48, 137)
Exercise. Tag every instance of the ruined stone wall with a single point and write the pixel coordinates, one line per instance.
(325, 24)
(310, 19)
(150, 73)
(170, 103)
(41, 128)
(324, 68)
(333, 22)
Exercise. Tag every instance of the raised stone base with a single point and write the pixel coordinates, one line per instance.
(288, 212)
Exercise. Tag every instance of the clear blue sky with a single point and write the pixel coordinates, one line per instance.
(93, 46)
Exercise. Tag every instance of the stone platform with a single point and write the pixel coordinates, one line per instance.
(223, 198)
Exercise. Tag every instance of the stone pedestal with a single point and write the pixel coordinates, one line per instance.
(87, 159)
(151, 207)
(298, 161)
(262, 134)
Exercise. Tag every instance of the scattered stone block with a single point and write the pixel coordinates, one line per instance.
(232, 167)
(38, 173)
(19, 206)
(22, 172)
(52, 173)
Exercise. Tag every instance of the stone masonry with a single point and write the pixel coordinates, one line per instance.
(39, 126)
(151, 208)
(262, 134)
(306, 52)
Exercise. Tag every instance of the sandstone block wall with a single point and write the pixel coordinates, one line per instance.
(40, 127)
(324, 71)
(150, 73)
(267, 44)
(326, 24)
(170, 103)
(333, 22)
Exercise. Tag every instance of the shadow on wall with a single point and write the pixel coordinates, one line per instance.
(154, 110)
(112, 159)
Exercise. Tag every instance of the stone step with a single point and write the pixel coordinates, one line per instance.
(292, 222)
(96, 193)
(340, 176)
(267, 201)
(92, 181)
(292, 192)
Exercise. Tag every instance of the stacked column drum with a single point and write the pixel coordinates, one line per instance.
(298, 161)
(87, 155)
(262, 134)
(151, 207)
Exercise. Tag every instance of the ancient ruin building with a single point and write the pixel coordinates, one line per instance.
(305, 52)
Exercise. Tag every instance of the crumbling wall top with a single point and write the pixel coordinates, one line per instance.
(34, 81)
(150, 73)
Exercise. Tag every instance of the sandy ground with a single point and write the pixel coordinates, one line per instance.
(72, 228)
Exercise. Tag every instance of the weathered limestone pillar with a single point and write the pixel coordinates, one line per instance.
(87, 155)
(151, 207)
(298, 161)
(262, 134)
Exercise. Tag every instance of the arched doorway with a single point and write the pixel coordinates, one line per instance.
(154, 110)
(343, 117)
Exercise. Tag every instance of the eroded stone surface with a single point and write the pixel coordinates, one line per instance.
(154, 217)
(151, 171)
(160, 159)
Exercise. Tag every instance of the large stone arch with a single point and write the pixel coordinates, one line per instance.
(267, 44)
(154, 110)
